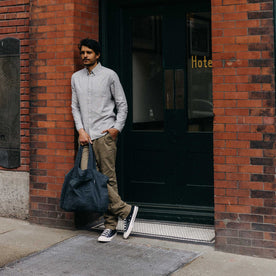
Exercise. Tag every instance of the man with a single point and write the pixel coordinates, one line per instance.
(96, 94)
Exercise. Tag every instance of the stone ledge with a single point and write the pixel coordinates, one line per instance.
(14, 196)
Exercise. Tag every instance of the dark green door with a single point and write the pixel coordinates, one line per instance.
(166, 150)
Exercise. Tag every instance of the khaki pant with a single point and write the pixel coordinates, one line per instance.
(105, 150)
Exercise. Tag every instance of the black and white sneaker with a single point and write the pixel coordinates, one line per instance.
(107, 235)
(129, 221)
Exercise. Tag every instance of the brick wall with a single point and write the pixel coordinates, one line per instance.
(244, 129)
(56, 26)
(14, 22)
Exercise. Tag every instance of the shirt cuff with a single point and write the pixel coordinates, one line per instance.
(118, 126)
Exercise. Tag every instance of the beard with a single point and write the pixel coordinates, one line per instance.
(90, 63)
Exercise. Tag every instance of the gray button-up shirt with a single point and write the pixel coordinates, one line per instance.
(94, 99)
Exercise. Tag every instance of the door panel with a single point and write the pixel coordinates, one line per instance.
(146, 169)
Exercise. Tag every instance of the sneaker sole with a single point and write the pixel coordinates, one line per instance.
(104, 239)
(126, 234)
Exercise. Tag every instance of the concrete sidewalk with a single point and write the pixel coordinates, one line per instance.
(19, 239)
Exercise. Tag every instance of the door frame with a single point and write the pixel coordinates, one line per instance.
(187, 213)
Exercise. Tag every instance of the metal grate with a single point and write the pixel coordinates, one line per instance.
(170, 230)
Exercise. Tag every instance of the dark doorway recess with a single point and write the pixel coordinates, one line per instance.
(162, 52)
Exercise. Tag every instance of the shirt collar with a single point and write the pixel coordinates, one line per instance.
(96, 70)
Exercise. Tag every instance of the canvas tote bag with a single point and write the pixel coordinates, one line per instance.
(84, 190)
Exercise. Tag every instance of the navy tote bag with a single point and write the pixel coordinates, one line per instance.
(84, 190)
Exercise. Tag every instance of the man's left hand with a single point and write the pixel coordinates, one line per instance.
(113, 132)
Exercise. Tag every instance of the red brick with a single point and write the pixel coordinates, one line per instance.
(238, 176)
(240, 210)
(225, 168)
(225, 136)
(219, 192)
(226, 200)
(237, 160)
(237, 112)
(220, 208)
(250, 169)
(237, 127)
(225, 152)
(224, 71)
(225, 183)
(219, 176)
(225, 119)
(248, 7)
(237, 144)
(238, 193)
(234, 2)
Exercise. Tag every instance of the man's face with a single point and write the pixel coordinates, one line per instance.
(88, 56)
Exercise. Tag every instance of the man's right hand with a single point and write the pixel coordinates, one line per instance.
(84, 138)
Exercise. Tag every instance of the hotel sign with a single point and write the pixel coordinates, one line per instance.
(201, 62)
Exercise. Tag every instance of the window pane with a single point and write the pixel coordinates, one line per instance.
(147, 74)
(200, 106)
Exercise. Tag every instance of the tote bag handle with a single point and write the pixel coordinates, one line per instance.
(91, 158)
(91, 165)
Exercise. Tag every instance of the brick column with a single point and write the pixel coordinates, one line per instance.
(56, 28)
(244, 128)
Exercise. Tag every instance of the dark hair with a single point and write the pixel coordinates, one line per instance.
(91, 44)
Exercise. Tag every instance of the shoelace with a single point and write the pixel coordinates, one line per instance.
(126, 223)
(106, 232)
